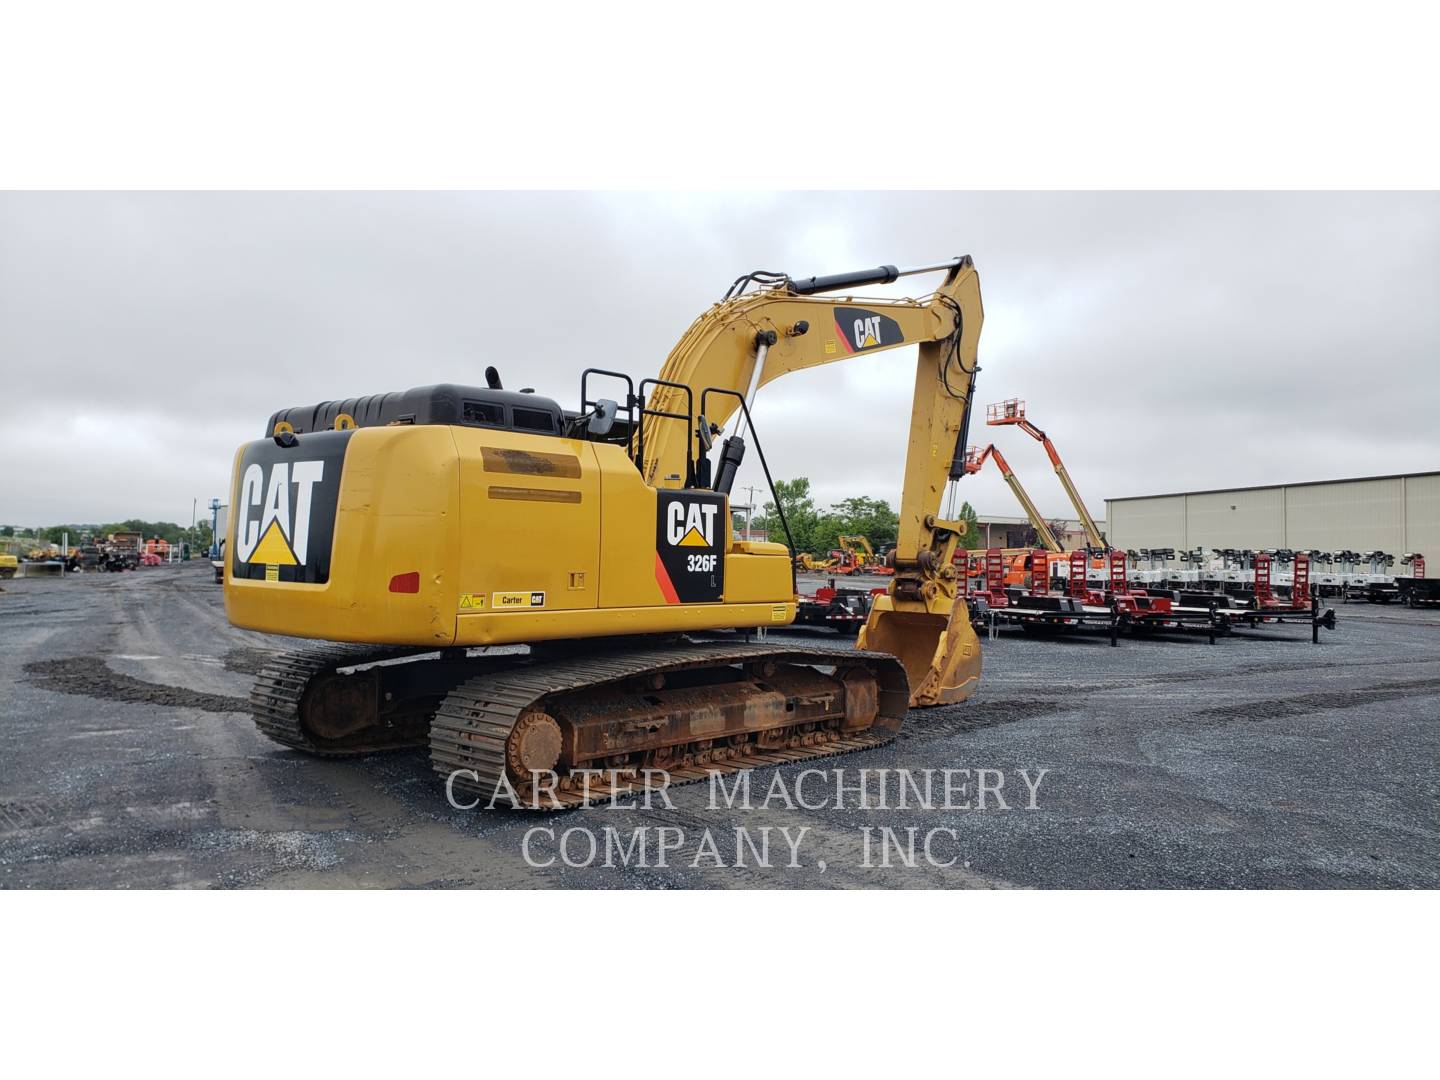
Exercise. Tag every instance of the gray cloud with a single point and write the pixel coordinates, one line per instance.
(1166, 341)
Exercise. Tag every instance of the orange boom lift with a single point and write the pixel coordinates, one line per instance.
(1012, 412)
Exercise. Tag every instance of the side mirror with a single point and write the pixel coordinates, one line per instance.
(603, 418)
(702, 431)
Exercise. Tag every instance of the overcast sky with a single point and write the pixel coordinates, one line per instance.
(1165, 341)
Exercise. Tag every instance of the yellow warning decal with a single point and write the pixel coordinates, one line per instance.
(511, 601)
(273, 549)
(272, 573)
(829, 348)
(693, 539)
(472, 601)
(778, 613)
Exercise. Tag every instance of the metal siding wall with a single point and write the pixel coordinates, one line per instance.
(1363, 516)
(1422, 518)
(1394, 515)
(1258, 520)
(1152, 522)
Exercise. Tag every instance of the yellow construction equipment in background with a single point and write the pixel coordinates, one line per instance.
(857, 556)
(412, 526)
(807, 563)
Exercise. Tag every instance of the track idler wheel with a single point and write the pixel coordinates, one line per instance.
(534, 746)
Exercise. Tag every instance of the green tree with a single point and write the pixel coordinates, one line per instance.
(971, 536)
(197, 538)
(53, 534)
(800, 513)
(864, 516)
(818, 531)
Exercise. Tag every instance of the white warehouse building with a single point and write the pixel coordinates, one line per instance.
(1394, 514)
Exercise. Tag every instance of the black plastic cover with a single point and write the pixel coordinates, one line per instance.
(444, 403)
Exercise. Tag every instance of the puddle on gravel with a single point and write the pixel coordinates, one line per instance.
(88, 676)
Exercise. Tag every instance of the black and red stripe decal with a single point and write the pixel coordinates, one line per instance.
(662, 577)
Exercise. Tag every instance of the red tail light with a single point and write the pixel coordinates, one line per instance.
(407, 583)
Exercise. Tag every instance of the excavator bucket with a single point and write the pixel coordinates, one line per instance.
(938, 648)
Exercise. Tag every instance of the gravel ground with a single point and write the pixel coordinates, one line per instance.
(127, 760)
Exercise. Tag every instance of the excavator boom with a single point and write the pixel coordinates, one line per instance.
(750, 339)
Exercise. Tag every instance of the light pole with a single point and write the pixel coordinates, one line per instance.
(214, 528)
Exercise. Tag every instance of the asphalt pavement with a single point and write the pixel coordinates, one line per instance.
(128, 760)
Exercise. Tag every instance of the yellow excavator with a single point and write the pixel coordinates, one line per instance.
(857, 556)
(414, 531)
(813, 564)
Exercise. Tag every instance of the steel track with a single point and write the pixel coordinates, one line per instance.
(469, 731)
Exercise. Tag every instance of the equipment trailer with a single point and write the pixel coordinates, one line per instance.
(1140, 612)
(841, 609)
